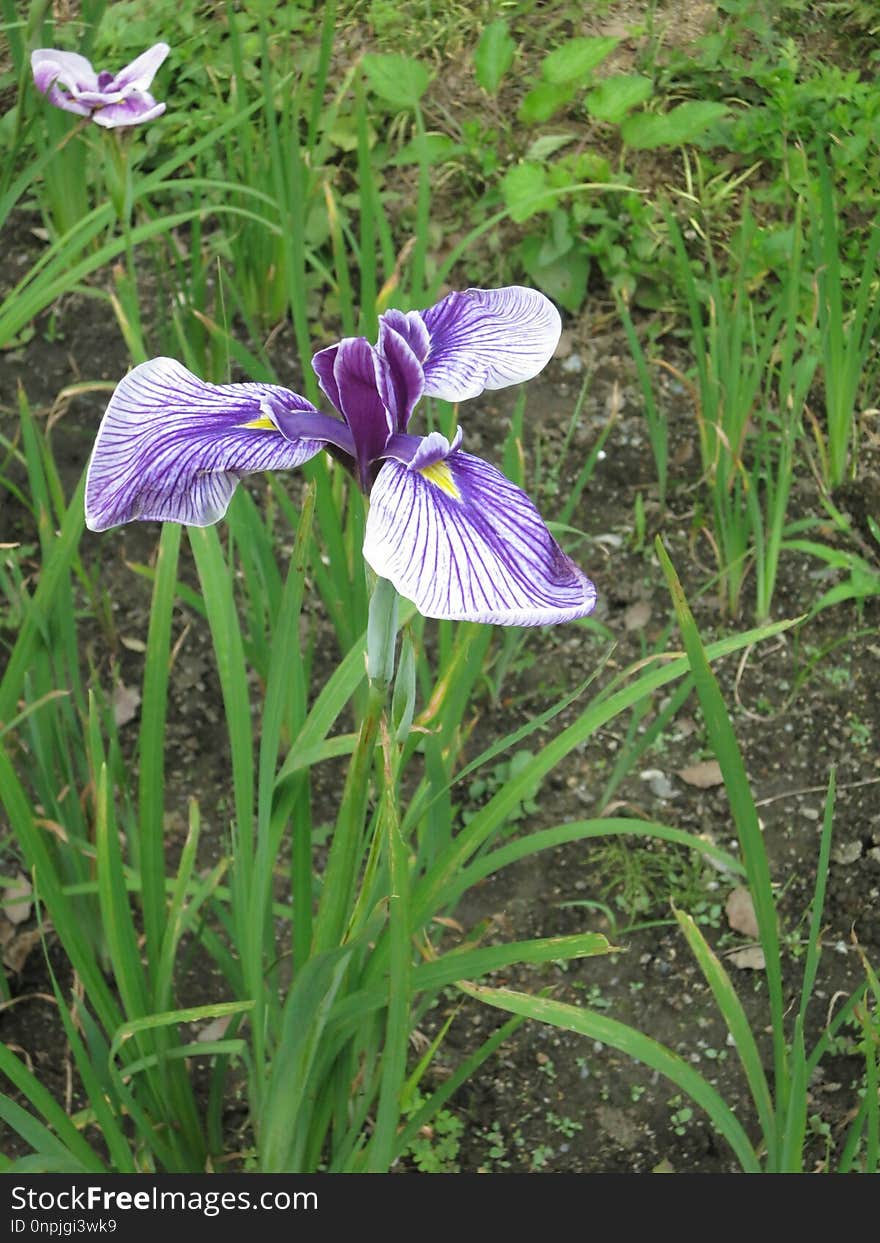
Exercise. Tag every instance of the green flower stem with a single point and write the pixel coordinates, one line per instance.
(346, 851)
(382, 634)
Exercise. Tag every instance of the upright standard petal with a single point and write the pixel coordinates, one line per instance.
(356, 368)
(487, 339)
(462, 542)
(401, 379)
(140, 73)
(173, 448)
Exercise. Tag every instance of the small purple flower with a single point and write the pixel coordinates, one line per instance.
(450, 531)
(70, 82)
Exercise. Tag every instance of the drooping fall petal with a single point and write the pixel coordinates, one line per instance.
(173, 448)
(462, 542)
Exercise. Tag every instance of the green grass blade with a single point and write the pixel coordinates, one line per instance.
(723, 742)
(107, 1115)
(48, 886)
(64, 1140)
(290, 1091)
(216, 582)
(469, 964)
(441, 878)
(115, 910)
(811, 965)
(633, 1044)
(461, 1075)
(151, 777)
(394, 1052)
(737, 1024)
(171, 1018)
(794, 1128)
(55, 569)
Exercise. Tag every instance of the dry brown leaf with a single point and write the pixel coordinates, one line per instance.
(215, 1030)
(126, 700)
(749, 959)
(637, 615)
(703, 775)
(15, 954)
(18, 911)
(448, 922)
(741, 912)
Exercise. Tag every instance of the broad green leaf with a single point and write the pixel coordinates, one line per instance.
(428, 149)
(547, 145)
(577, 831)
(399, 80)
(563, 278)
(465, 964)
(614, 97)
(151, 787)
(525, 192)
(575, 59)
(494, 55)
(544, 100)
(683, 124)
(171, 1018)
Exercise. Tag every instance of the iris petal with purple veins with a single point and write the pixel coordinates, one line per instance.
(488, 339)
(111, 100)
(446, 528)
(173, 448)
(462, 542)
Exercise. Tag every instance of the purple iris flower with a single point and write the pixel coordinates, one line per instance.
(111, 100)
(447, 529)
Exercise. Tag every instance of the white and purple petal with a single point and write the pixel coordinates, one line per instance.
(69, 81)
(62, 77)
(140, 73)
(419, 452)
(173, 448)
(409, 325)
(462, 542)
(487, 339)
(134, 109)
(67, 68)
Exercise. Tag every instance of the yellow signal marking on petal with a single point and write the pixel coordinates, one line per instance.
(441, 476)
(262, 424)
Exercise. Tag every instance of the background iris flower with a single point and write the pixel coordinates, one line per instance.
(447, 529)
(111, 100)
